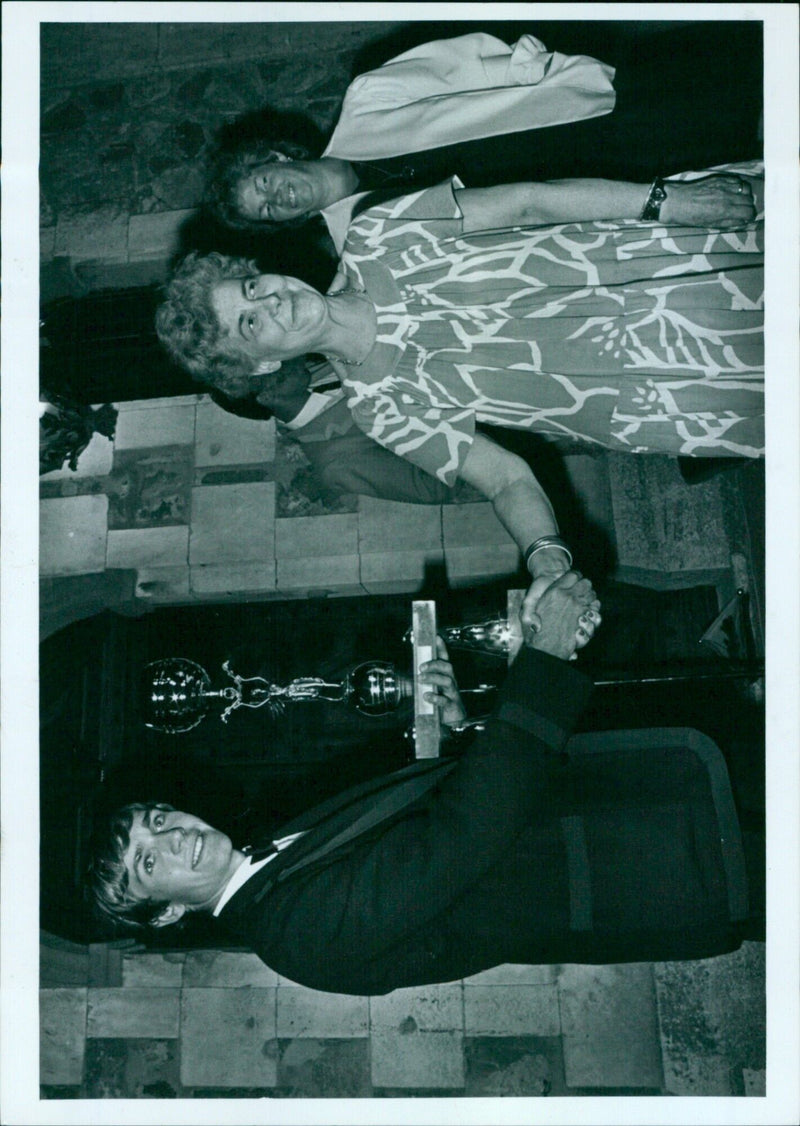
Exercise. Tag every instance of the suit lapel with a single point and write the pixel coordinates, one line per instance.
(341, 803)
(341, 820)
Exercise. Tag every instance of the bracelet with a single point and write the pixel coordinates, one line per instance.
(547, 541)
(655, 197)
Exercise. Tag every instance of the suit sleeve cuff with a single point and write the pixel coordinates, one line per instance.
(544, 696)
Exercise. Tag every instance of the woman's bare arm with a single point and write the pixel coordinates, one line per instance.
(519, 501)
(524, 509)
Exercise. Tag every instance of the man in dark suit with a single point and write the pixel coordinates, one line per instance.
(513, 852)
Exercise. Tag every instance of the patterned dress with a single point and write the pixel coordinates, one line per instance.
(631, 335)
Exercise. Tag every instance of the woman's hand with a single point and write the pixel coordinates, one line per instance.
(445, 695)
(569, 612)
(545, 567)
(720, 200)
(531, 619)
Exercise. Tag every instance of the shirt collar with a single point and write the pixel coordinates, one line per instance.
(249, 868)
(239, 878)
(315, 404)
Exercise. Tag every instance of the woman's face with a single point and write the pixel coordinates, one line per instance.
(270, 317)
(283, 189)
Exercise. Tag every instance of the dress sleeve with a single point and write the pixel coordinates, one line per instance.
(428, 215)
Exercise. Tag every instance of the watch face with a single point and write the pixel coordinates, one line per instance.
(655, 197)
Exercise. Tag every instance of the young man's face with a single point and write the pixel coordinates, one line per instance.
(176, 857)
(282, 189)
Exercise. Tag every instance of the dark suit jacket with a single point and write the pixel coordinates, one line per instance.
(515, 852)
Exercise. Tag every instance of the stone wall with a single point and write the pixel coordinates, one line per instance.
(129, 115)
(209, 1024)
(130, 111)
(206, 506)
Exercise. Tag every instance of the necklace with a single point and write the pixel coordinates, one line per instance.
(356, 292)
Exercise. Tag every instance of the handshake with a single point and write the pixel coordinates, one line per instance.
(559, 616)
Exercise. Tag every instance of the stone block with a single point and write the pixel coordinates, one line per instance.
(105, 965)
(755, 1082)
(418, 1059)
(152, 970)
(222, 438)
(62, 1035)
(319, 577)
(62, 52)
(228, 1038)
(514, 1066)
(428, 1008)
(132, 1069)
(163, 585)
(511, 1010)
(705, 1072)
(663, 524)
(156, 235)
(232, 524)
(609, 1026)
(101, 233)
(472, 564)
(95, 461)
(161, 404)
(72, 535)
(466, 525)
(121, 48)
(123, 275)
(122, 1013)
(148, 547)
(146, 429)
(305, 1012)
(182, 44)
(328, 1069)
(386, 525)
(712, 1020)
(512, 973)
(226, 968)
(232, 578)
(397, 572)
(308, 537)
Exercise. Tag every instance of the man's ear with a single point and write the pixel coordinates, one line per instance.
(171, 914)
(280, 158)
(267, 367)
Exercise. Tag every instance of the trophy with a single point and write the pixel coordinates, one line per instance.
(493, 637)
(177, 693)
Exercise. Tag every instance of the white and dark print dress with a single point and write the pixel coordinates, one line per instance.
(636, 336)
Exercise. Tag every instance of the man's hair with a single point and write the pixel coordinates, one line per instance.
(187, 325)
(233, 165)
(107, 876)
